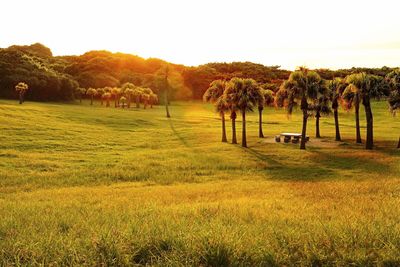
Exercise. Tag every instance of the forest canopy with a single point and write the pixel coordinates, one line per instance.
(53, 78)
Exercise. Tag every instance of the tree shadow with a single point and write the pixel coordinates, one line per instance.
(284, 171)
(180, 138)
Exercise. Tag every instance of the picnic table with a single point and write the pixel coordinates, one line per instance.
(288, 136)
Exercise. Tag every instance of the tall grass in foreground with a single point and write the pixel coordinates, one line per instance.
(85, 185)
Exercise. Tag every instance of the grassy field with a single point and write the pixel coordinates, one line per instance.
(91, 185)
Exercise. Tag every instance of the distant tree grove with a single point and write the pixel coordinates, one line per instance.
(122, 97)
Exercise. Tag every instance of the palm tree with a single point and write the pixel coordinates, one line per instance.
(302, 86)
(320, 105)
(107, 96)
(145, 97)
(215, 94)
(366, 86)
(91, 92)
(115, 92)
(129, 94)
(137, 93)
(128, 89)
(351, 97)
(153, 99)
(80, 92)
(123, 101)
(336, 88)
(166, 90)
(266, 99)
(21, 88)
(393, 79)
(100, 92)
(245, 94)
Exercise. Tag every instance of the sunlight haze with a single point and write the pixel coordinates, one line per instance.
(317, 34)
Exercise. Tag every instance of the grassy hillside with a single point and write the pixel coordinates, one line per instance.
(95, 185)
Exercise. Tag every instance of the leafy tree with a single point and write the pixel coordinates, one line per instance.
(393, 79)
(21, 88)
(302, 86)
(336, 88)
(245, 94)
(92, 93)
(266, 99)
(215, 95)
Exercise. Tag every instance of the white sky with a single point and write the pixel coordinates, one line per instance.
(290, 33)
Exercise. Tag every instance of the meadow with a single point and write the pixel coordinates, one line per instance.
(90, 185)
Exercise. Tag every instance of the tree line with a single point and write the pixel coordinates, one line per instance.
(314, 96)
(122, 97)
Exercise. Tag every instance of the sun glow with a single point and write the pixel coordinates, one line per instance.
(334, 34)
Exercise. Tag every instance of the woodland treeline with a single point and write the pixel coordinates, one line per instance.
(53, 78)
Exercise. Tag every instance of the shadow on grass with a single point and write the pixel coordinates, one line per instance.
(292, 171)
(326, 163)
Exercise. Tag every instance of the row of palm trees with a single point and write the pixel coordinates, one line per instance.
(122, 97)
(307, 90)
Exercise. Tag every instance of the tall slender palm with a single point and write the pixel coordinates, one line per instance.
(21, 88)
(245, 94)
(91, 92)
(336, 88)
(320, 105)
(351, 98)
(367, 86)
(393, 79)
(215, 94)
(302, 86)
(166, 88)
(266, 99)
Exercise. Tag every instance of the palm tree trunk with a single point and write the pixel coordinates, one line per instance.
(244, 139)
(233, 118)
(317, 133)
(304, 130)
(21, 98)
(260, 129)
(166, 103)
(336, 115)
(223, 127)
(357, 111)
(369, 144)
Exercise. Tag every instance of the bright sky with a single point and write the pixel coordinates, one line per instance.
(290, 33)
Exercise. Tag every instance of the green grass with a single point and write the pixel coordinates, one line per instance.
(103, 186)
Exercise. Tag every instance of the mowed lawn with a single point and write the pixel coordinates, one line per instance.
(89, 185)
